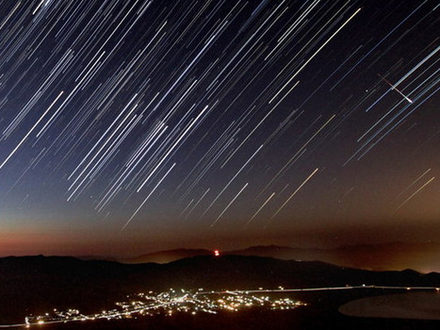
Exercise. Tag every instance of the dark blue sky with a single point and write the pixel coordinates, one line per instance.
(128, 126)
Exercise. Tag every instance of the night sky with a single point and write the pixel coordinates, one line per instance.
(132, 126)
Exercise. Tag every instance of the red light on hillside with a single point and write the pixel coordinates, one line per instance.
(216, 253)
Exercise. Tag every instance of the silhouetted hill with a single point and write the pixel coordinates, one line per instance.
(38, 284)
(162, 257)
(283, 252)
(424, 257)
(273, 251)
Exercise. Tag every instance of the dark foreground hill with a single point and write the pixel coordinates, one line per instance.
(38, 284)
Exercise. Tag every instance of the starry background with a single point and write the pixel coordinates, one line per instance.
(128, 126)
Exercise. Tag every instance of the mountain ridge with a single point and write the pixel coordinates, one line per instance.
(36, 284)
(423, 257)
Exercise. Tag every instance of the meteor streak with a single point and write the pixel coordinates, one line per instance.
(395, 89)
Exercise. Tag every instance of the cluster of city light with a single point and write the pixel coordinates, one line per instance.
(55, 316)
(171, 302)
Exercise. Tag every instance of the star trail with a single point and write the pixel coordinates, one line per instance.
(207, 118)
